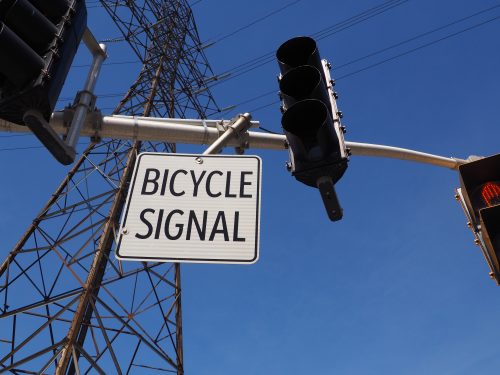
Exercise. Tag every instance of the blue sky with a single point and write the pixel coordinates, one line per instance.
(397, 286)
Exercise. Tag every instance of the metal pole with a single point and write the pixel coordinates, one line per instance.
(85, 97)
(382, 151)
(194, 132)
(367, 149)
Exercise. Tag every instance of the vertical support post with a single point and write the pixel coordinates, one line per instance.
(86, 96)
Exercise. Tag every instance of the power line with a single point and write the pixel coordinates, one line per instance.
(28, 148)
(418, 48)
(257, 62)
(211, 41)
(406, 41)
(267, 130)
(385, 49)
(21, 148)
(253, 23)
(101, 96)
(109, 63)
(319, 33)
(425, 45)
(324, 33)
(13, 136)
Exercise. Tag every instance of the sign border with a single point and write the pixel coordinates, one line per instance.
(123, 220)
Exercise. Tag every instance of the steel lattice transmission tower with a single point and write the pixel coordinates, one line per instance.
(67, 306)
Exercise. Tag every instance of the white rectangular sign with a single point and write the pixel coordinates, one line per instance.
(192, 208)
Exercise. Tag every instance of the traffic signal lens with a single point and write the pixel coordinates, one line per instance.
(301, 82)
(486, 195)
(490, 193)
(297, 51)
(304, 118)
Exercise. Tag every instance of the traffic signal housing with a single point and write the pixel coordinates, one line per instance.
(479, 194)
(39, 39)
(311, 120)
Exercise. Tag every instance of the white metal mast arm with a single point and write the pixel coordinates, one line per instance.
(206, 132)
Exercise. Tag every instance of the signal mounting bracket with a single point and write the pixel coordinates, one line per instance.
(478, 236)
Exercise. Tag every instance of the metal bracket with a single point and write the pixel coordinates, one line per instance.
(244, 139)
(95, 118)
(329, 197)
(85, 99)
(79, 100)
(68, 114)
(476, 231)
(237, 126)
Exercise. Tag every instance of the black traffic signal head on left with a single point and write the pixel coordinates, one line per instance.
(311, 120)
(38, 40)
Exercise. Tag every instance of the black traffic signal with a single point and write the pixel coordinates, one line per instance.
(480, 196)
(311, 120)
(38, 41)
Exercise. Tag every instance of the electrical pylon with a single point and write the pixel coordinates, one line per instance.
(67, 306)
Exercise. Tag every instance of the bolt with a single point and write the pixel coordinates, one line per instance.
(340, 114)
(492, 275)
(198, 160)
(288, 166)
(329, 66)
(125, 231)
(332, 82)
(477, 242)
(335, 95)
(469, 224)
(457, 197)
(282, 109)
(344, 129)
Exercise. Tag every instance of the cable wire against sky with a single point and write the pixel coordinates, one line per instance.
(218, 39)
(372, 54)
(425, 45)
(328, 31)
(269, 57)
